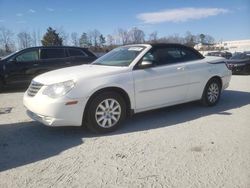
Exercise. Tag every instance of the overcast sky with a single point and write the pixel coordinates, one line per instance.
(222, 19)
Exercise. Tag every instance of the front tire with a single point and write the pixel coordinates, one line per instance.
(211, 93)
(105, 112)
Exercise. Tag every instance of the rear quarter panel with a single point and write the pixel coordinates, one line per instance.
(202, 71)
(199, 73)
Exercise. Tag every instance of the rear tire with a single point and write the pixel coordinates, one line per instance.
(211, 93)
(105, 112)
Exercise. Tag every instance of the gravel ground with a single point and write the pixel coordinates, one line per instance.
(182, 146)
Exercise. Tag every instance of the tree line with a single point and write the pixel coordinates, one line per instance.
(93, 39)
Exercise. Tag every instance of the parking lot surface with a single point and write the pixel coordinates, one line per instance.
(181, 146)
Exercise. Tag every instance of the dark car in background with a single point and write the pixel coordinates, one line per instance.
(20, 67)
(240, 63)
(224, 54)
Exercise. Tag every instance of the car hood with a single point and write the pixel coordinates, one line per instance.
(78, 72)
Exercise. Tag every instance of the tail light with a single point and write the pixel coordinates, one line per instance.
(229, 66)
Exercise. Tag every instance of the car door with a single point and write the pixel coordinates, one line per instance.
(22, 67)
(53, 58)
(197, 71)
(163, 84)
(79, 57)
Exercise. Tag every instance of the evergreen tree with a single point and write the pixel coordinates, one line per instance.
(202, 38)
(52, 38)
(84, 40)
(102, 40)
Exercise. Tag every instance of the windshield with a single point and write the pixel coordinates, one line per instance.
(240, 56)
(121, 56)
(7, 56)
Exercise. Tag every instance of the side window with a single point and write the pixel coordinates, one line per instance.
(76, 52)
(164, 56)
(149, 57)
(28, 56)
(52, 53)
(189, 55)
(168, 55)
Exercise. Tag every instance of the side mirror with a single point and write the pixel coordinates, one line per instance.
(12, 61)
(146, 64)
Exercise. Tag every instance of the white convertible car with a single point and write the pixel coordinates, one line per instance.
(127, 80)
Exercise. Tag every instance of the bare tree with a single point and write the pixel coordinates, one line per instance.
(89, 38)
(94, 37)
(62, 33)
(209, 39)
(74, 39)
(39, 37)
(24, 40)
(123, 35)
(110, 40)
(153, 37)
(136, 35)
(175, 38)
(36, 38)
(190, 39)
(6, 39)
(116, 38)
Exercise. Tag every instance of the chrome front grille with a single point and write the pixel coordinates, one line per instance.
(34, 88)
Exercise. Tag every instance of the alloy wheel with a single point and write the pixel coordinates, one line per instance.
(213, 92)
(108, 113)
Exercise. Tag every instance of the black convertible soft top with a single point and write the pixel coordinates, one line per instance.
(159, 45)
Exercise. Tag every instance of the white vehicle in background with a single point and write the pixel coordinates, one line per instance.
(127, 80)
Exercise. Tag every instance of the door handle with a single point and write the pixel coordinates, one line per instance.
(35, 64)
(68, 63)
(181, 68)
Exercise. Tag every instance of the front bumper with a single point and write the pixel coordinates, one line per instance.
(54, 112)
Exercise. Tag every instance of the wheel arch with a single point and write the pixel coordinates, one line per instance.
(216, 77)
(208, 80)
(114, 89)
(203, 98)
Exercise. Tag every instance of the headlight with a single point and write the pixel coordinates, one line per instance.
(59, 89)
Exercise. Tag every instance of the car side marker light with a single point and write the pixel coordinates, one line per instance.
(71, 102)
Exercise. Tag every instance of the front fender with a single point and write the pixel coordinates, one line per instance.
(86, 88)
